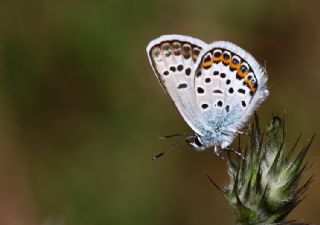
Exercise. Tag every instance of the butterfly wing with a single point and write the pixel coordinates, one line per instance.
(229, 85)
(173, 59)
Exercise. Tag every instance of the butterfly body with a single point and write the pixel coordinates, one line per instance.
(216, 87)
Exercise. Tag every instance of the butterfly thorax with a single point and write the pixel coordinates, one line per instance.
(216, 138)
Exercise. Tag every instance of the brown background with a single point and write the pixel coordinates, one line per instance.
(80, 107)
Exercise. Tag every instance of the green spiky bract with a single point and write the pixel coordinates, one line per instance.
(264, 184)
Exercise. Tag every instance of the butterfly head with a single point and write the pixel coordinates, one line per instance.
(200, 143)
(197, 143)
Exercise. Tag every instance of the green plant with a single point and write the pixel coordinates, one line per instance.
(264, 183)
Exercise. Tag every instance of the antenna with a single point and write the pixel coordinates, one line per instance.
(171, 147)
(174, 135)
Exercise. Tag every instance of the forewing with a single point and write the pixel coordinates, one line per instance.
(229, 85)
(173, 59)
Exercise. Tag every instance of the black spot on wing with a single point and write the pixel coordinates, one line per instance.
(200, 90)
(182, 85)
(173, 69)
(188, 71)
(217, 91)
(227, 108)
(204, 106)
(180, 67)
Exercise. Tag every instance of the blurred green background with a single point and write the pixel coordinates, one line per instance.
(81, 107)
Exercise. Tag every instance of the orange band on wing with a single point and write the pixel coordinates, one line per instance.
(207, 64)
(217, 59)
(234, 66)
(241, 74)
(194, 57)
(226, 61)
(250, 85)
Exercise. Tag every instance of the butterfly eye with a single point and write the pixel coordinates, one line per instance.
(198, 142)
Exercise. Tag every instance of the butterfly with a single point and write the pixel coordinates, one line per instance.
(216, 87)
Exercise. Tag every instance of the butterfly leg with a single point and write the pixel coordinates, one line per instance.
(225, 146)
(235, 152)
(231, 130)
(217, 151)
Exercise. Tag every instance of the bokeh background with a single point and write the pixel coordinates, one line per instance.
(80, 108)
